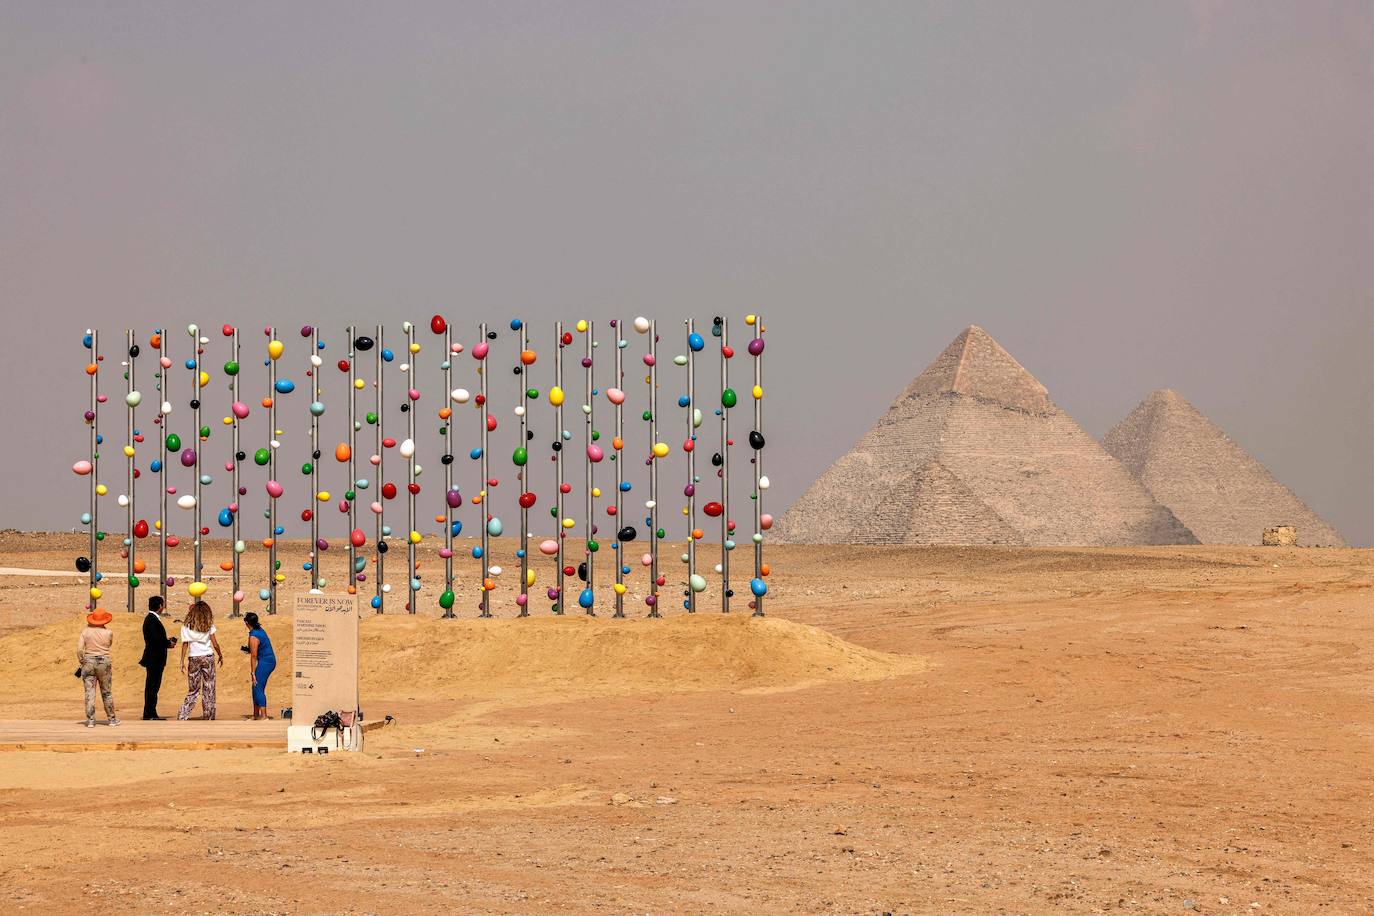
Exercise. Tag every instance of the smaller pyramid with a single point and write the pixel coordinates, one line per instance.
(1210, 483)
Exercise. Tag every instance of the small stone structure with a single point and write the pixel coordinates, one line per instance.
(1280, 536)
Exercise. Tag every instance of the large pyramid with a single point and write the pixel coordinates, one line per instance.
(975, 452)
(1209, 482)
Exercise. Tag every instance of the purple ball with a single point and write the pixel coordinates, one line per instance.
(307, 330)
(322, 544)
(188, 457)
(454, 498)
(689, 490)
(586, 362)
(650, 600)
(553, 594)
(90, 415)
(756, 346)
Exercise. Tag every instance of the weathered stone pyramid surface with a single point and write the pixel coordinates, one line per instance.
(1189, 465)
(975, 452)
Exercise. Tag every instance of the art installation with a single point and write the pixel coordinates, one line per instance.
(172, 450)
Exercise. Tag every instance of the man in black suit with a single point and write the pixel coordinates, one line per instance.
(155, 646)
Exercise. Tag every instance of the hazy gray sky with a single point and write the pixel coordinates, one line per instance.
(1126, 195)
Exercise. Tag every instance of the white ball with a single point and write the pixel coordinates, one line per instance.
(408, 448)
(642, 325)
(316, 361)
(494, 570)
(763, 482)
(166, 407)
(460, 395)
(187, 502)
(520, 410)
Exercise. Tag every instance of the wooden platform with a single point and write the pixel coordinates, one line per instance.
(133, 735)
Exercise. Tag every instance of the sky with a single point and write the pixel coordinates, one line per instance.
(1126, 196)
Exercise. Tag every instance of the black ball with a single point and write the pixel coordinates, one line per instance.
(627, 534)
(717, 460)
(491, 335)
(240, 456)
(755, 439)
(195, 403)
(582, 570)
(133, 352)
(83, 564)
(405, 408)
(529, 435)
(447, 459)
(315, 454)
(519, 370)
(382, 547)
(558, 446)
(363, 344)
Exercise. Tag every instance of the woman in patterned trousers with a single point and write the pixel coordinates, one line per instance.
(199, 650)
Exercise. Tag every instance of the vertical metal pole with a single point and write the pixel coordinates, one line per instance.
(164, 391)
(379, 574)
(524, 474)
(758, 462)
(195, 438)
(315, 374)
(234, 500)
(588, 433)
(412, 593)
(558, 466)
(618, 456)
(653, 470)
(94, 574)
(448, 465)
(691, 488)
(130, 388)
(352, 458)
(486, 476)
(725, 542)
(272, 475)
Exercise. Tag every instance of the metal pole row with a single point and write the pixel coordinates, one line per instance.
(164, 411)
(449, 508)
(726, 544)
(195, 439)
(756, 350)
(558, 462)
(588, 597)
(379, 528)
(272, 446)
(131, 399)
(412, 532)
(522, 474)
(235, 482)
(315, 363)
(653, 471)
(691, 489)
(618, 456)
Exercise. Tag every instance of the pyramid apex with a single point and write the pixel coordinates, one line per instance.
(976, 366)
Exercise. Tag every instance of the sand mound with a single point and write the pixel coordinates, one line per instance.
(407, 657)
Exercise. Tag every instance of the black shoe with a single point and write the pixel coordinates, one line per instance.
(154, 718)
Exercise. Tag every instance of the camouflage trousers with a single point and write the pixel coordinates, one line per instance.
(200, 672)
(96, 670)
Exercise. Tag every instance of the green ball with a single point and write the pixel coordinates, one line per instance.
(133, 580)
(372, 418)
(173, 442)
(446, 600)
(350, 495)
(532, 393)
(662, 533)
(307, 468)
(520, 456)
(593, 546)
(728, 398)
(100, 535)
(595, 435)
(261, 457)
(647, 415)
(205, 432)
(231, 368)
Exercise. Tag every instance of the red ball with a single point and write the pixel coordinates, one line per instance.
(389, 490)
(527, 500)
(713, 509)
(228, 330)
(388, 442)
(413, 488)
(491, 424)
(569, 570)
(565, 488)
(727, 351)
(343, 365)
(438, 325)
(307, 515)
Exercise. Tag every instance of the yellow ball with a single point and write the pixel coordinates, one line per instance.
(596, 492)
(414, 348)
(568, 523)
(96, 593)
(358, 383)
(128, 451)
(556, 396)
(275, 349)
(158, 524)
(619, 588)
(660, 450)
(758, 392)
(529, 577)
(204, 379)
(280, 577)
(684, 510)
(414, 537)
(322, 496)
(101, 489)
(582, 326)
(750, 319)
(196, 589)
(228, 421)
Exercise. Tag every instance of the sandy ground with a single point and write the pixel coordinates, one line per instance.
(1149, 730)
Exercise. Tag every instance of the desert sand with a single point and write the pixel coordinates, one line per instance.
(909, 730)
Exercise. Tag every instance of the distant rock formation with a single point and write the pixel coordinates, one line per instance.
(1189, 465)
(975, 452)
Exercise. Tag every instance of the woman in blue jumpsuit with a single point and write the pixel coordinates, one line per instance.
(262, 661)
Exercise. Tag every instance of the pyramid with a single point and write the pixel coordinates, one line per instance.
(1189, 465)
(975, 452)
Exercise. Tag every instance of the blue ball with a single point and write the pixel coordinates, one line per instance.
(695, 341)
(285, 386)
(156, 466)
(515, 324)
(87, 341)
(683, 401)
(758, 587)
(376, 600)
(190, 364)
(387, 354)
(477, 553)
(624, 486)
(475, 454)
(586, 598)
(457, 527)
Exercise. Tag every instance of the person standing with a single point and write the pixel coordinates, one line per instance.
(262, 661)
(154, 660)
(93, 646)
(199, 650)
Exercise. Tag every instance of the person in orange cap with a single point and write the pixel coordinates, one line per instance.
(93, 652)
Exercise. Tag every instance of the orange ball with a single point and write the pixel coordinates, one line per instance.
(617, 443)
(266, 402)
(140, 567)
(445, 413)
(342, 452)
(92, 369)
(227, 566)
(527, 357)
(765, 569)
(489, 584)
(268, 542)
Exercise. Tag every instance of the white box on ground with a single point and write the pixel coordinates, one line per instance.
(324, 670)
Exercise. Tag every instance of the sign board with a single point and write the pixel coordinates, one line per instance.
(324, 664)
